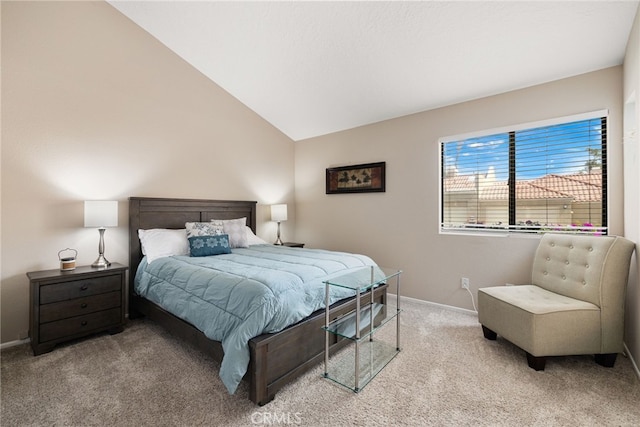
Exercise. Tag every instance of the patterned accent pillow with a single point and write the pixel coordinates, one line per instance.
(209, 245)
(236, 229)
(203, 229)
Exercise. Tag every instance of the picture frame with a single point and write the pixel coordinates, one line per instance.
(364, 178)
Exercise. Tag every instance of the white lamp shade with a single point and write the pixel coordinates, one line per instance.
(100, 213)
(278, 212)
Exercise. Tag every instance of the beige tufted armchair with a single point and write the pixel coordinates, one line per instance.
(574, 306)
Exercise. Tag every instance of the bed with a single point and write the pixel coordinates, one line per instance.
(275, 359)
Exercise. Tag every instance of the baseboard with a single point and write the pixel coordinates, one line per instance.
(435, 304)
(14, 343)
(633, 362)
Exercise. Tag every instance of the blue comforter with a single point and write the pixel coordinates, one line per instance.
(234, 297)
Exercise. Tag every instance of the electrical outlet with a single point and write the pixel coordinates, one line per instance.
(464, 282)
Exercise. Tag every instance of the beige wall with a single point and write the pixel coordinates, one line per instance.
(631, 99)
(400, 227)
(95, 108)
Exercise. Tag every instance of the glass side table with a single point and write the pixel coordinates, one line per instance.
(356, 366)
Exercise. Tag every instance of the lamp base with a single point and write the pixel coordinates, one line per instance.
(101, 262)
(278, 241)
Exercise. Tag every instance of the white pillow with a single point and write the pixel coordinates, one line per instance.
(252, 239)
(236, 229)
(161, 242)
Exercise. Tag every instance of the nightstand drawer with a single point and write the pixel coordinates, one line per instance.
(79, 288)
(79, 325)
(79, 306)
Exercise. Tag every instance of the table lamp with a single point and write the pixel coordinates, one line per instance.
(278, 213)
(101, 214)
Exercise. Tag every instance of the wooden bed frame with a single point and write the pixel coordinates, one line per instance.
(276, 359)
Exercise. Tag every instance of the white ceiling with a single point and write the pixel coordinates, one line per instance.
(312, 68)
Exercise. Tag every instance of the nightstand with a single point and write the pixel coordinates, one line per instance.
(64, 305)
(293, 244)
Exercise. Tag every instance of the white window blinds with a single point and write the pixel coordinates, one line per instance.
(551, 177)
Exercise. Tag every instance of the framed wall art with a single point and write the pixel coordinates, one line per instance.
(365, 178)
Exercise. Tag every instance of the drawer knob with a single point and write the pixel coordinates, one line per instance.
(83, 305)
(84, 287)
(83, 323)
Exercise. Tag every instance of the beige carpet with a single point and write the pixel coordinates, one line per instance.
(446, 375)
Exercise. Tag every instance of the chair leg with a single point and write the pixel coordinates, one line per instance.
(536, 363)
(488, 333)
(606, 360)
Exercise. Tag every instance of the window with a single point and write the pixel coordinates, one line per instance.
(549, 176)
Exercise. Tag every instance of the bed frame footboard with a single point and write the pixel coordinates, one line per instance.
(277, 359)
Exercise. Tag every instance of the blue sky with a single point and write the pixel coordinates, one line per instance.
(557, 149)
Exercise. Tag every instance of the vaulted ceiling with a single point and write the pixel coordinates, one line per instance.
(313, 68)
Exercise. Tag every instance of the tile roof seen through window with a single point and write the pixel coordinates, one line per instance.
(579, 187)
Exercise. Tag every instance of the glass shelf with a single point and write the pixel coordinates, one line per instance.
(365, 278)
(355, 366)
(345, 326)
(373, 357)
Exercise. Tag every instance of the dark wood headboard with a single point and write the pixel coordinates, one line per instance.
(146, 213)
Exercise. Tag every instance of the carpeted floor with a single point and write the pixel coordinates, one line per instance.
(446, 375)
